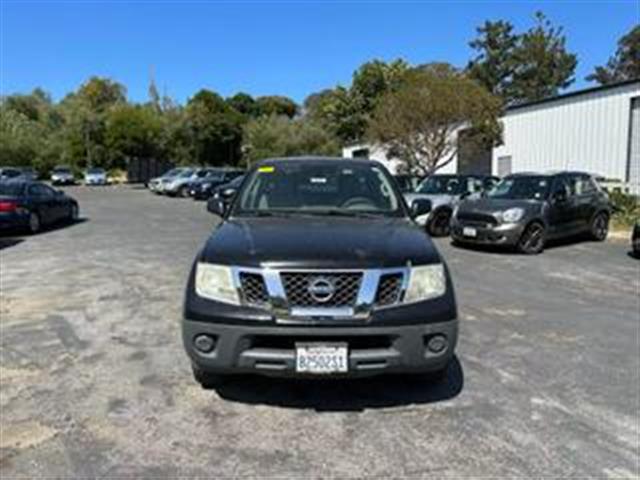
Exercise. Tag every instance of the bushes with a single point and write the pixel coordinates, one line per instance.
(626, 208)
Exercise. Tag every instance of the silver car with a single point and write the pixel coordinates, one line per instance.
(445, 192)
(156, 185)
(181, 184)
(95, 176)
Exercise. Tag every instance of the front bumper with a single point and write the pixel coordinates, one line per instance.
(95, 181)
(270, 350)
(502, 234)
(62, 181)
(200, 193)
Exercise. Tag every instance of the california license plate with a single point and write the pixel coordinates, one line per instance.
(469, 232)
(321, 358)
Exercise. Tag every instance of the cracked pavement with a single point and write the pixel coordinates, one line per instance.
(94, 382)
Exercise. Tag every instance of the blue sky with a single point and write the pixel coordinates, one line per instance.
(289, 48)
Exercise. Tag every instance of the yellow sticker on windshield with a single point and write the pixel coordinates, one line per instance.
(266, 169)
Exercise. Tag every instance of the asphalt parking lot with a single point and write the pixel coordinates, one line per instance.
(94, 381)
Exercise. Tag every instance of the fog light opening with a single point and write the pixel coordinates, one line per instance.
(204, 343)
(437, 343)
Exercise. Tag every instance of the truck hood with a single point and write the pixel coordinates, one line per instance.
(319, 242)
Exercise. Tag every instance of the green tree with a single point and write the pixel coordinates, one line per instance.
(340, 112)
(276, 105)
(101, 93)
(132, 131)
(373, 79)
(419, 122)
(494, 64)
(279, 136)
(624, 64)
(543, 66)
(216, 129)
(243, 103)
(346, 111)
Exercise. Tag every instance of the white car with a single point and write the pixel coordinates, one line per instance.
(62, 175)
(95, 176)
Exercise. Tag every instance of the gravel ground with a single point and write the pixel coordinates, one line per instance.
(94, 381)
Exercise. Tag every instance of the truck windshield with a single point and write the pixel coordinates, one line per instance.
(319, 188)
(442, 185)
(521, 188)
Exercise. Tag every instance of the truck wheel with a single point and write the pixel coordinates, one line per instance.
(600, 227)
(207, 380)
(532, 240)
(439, 225)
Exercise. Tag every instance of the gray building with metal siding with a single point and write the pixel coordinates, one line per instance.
(595, 130)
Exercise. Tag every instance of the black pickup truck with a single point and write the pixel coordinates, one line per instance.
(318, 269)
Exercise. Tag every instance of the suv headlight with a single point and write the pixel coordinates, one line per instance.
(425, 282)
(215, 282)
(512, 215)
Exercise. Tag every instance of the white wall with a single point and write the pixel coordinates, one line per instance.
(588, 132)
(378, 153)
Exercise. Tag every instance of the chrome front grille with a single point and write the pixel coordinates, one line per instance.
(312, 293)
(333, 289)
(389, 289)
(254, 290)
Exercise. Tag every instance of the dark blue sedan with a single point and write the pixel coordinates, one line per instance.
(33, 205)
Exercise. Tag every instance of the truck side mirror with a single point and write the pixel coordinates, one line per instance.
(420, 206)
(216, 207)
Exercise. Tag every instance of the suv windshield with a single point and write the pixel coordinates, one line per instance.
(95, 171)
(173, 172)
(61, 170)
(319, 188)
(521, 188)
(443, 184)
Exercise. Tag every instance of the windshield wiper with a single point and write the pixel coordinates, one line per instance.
(351, 213)
(266, 213)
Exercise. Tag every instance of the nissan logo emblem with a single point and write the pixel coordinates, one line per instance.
(321, 289)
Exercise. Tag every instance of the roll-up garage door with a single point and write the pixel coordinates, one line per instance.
(633, 166)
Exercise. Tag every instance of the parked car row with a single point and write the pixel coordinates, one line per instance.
(522, 210)
(17, 173)
(63, 175)
(198, 183)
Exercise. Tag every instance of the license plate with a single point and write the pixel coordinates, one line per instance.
(469, 232)
(321, 358)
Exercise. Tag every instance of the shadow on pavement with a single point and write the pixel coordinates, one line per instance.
(511, 250)
(345, 394)
(62, 225)
(10, 235)
(9, 242)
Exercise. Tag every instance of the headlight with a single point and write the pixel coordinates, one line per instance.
(512, 215)
(425, 282)
(215, 282)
